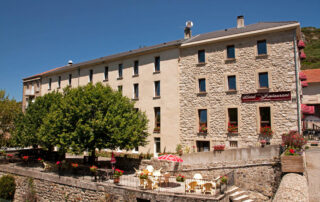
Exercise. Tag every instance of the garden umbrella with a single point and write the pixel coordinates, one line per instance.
(170, 157)
(113, 160)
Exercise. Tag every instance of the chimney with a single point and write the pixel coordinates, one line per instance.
(240, 21)
(70, 62)
(187, 30)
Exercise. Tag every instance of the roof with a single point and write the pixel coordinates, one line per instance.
(197, 38)
(313, 75)
(232, 31)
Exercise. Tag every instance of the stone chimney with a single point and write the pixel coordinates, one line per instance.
(240, 21)
(70, 62)
(187, 30)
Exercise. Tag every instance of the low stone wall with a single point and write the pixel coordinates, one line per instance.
(50, 187)
(294, 188)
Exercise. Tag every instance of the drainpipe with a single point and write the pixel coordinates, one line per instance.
(297, 81)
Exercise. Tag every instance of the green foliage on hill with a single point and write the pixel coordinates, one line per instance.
(312, 49)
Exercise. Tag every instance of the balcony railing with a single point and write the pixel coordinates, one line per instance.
(29, 91)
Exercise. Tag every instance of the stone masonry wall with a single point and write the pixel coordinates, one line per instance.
(281, 69)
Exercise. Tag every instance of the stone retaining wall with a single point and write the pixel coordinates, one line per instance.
(49, 187)
(293, 187)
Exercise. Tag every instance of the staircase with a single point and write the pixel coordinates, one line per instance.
(238, 195)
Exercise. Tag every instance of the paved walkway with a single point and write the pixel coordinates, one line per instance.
(313, 171)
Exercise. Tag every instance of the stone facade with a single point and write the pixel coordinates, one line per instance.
(280, 65)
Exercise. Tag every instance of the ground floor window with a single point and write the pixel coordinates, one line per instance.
(203, 146)
(157, 145)
(233, 143)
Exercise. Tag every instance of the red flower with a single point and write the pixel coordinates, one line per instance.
(25, 158)
(10, 155)
(39, 159)
(58, 163)
(291, 151)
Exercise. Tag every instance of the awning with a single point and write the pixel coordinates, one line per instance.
(311, 118)
(305, 109)
(302, 76)
(304, 84)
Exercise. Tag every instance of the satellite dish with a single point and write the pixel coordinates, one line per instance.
(189, 24)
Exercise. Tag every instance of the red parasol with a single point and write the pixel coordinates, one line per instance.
(170, 157)
(113, 160)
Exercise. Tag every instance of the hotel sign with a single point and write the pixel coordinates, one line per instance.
(260, 97)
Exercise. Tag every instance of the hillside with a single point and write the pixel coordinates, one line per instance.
(312, 49)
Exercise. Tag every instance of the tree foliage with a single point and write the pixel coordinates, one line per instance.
(83, 118)
(29, 123)
(9, 110)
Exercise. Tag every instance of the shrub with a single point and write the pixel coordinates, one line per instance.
(7, 187)
(293, 140)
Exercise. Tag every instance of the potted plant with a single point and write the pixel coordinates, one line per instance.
(266, 131)
(263, 143)
(74, 167)
(203, 129)
(219, 147)
(232, 128)
(116, 175)
(10, 157)
(156, 129)
(223, 183)
(180, 178)
(93, 170)
(292, 158)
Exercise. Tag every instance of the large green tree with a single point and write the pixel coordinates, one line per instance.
(9, 110)
(95, 116)
(29, 123)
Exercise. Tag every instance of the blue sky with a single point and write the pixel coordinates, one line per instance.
(38, 35)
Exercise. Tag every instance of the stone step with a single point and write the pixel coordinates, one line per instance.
(237, 194)
(248, 200)
(232, 189)
(241, 198)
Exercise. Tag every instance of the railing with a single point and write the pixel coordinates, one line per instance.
(30, 91)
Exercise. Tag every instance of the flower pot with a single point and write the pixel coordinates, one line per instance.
(116, 180)
(292, 164)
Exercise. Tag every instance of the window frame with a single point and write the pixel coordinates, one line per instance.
(266, 47)
(136, 68)
(199, 123)
(136, 91)
(228, 82)
(50, 84)
(228, 109)
(106, 73)
(70, 80)
(120, 71)
(90, 79)
(59, 82)
(157, 89)
(157, 64)
(259, 81)
(234, 52)
(200, 59)
(199, 85)
(157, 123)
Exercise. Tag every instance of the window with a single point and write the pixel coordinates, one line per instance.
(201, 56)
(106, 73)
(232, 120)
(263, 80)
(120, 70)
(157, 119)
(232, 85)
(49, 84)
(157, 88)
(157, 64)
(70, 79)
(265, 117)
(38, 86)
(203, 146)
(135, 91)
(59, 82)
(136, 68)
(262, 47)
(233, 143)
(230, 52)
(202, 113)
(90, 75)
(157, 145)
(202, 85)
(120, 89)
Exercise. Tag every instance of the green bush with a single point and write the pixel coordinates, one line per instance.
(7, 187)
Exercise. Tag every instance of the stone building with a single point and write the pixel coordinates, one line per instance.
(221, 87)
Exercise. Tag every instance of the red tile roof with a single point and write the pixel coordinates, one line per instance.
(313, 75)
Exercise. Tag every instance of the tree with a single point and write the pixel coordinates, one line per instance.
(9, 110)
(29, 123)
(95, 116)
